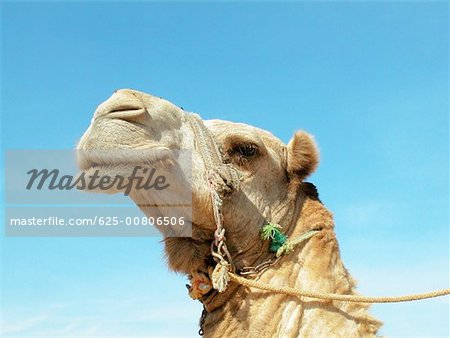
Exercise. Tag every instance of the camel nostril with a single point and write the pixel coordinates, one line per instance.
(132, 113)
(124, 104)
(125, 108)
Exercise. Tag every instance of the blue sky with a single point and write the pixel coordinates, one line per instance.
(368, 79)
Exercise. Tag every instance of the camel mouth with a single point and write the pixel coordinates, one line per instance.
(156, 179)
(123, 165)
(97, 159)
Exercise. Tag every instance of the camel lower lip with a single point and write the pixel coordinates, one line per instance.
(96, 166)
(118, 179)
(110, 158)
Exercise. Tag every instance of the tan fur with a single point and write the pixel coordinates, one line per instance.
(271, 190)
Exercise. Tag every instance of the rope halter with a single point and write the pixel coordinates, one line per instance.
(222, 180)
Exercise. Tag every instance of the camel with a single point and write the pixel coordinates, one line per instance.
(271, 188)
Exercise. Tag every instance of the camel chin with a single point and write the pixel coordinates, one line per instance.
(272, 189)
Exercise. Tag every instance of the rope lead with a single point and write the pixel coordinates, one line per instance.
(332, 296)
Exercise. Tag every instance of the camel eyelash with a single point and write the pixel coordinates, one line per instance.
(244, 152)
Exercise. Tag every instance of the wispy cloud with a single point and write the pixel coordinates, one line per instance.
(393, 279)
(108, 318)
(364, 213)
(16, 325)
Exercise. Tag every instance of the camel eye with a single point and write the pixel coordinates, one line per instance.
(245, 151)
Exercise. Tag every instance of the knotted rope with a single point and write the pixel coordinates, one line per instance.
(222, 180)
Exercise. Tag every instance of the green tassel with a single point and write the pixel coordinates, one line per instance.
(273, 232)
(279, 242)
(284, 249)
(268, 230)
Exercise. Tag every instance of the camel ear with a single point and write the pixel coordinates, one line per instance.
(302, 156)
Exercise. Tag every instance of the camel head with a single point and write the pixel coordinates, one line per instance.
(259, 179)
(270, 172)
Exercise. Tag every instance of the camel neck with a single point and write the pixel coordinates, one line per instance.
(259, 252)
(315, 265)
